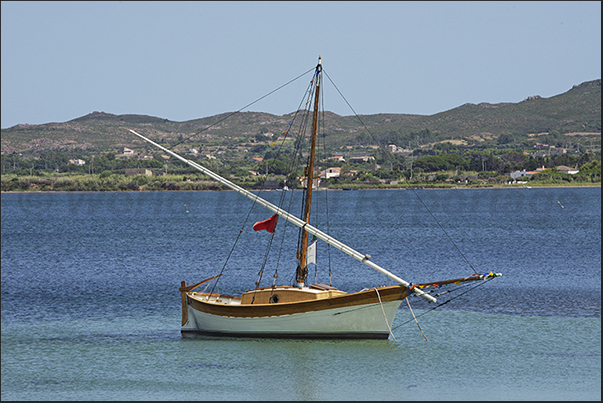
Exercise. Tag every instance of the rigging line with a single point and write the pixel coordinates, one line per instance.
(302, 136)
(413, 315)
(385, 151)
(460, 287)
(297, 111)
(275, 276)
(317, 199)
(226, 262)
(293, 163)
(440, 225)
(261, 273)
(245, 107)
(384, 316)
(235, 242)
(323, 127)
(391, 157)
(281, 203)
(253, 204)
(357, 116)
(443, 303)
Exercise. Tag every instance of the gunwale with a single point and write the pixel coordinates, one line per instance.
(364, 297)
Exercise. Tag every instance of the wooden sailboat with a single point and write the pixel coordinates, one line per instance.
(300, 310)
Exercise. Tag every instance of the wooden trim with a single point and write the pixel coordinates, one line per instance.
(184, 308)
(184, 287)
(322, 287)
(387, 294)
(286, 295)
(473, 277)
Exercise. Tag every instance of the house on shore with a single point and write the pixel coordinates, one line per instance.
(333, 172)
(138, 171)
(567, 170)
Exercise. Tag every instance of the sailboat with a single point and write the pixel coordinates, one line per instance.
(301, 309)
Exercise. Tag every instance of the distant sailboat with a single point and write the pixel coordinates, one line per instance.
(300, 310)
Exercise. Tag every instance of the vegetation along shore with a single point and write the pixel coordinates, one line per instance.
(539, 141)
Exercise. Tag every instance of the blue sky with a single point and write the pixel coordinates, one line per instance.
(187, 60)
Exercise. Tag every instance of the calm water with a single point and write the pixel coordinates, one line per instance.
(91, 308)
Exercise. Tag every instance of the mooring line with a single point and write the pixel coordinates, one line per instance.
(413, 315)
(385, 317)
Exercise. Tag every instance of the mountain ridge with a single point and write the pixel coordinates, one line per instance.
(577, 110)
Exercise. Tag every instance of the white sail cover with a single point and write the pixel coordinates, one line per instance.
(311, 253)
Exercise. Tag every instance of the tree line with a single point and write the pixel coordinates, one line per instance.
(443, 162)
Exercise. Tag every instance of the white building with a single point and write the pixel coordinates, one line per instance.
(567, 170)
(77, 162)
(333, 172)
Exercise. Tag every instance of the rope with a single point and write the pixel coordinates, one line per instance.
(437, 222)
(389, 155)
(245, 107)
(445, 302)
(385, 150)
(322, 127)
(260, 190)
(261, 272)
(232, 249)
(413, 315)
(384, 317)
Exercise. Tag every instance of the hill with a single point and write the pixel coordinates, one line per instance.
(575, 113)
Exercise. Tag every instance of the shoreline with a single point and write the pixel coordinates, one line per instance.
(278, 190)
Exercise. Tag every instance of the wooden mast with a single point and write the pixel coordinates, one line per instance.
(302, 270)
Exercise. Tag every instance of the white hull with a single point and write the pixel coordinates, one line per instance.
(357, 322)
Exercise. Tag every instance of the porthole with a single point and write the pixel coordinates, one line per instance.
(274, 299)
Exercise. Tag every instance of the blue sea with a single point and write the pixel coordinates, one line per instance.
(91, 308)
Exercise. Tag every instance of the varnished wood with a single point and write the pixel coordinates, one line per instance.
(286, 295)
(184, 289)
(387, 294)
(301, 273)
(474, 277)
(183, 297)
(322, 287)
(192, 287)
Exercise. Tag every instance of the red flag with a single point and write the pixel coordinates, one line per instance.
(268, 224)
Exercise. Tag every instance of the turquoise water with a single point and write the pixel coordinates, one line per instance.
(91, 311)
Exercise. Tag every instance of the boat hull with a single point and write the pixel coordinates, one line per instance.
(363, 315)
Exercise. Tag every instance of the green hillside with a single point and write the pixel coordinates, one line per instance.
(574, 116)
